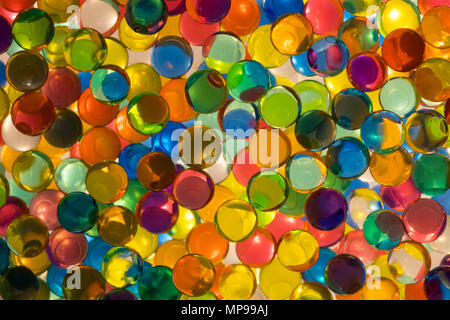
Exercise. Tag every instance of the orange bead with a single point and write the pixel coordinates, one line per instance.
(99, 144)
(93, 111)
(205, 240)
(243, 17)
(156, 171)
(169, 252)
(415, 291)
(124, 129)
(173, 93)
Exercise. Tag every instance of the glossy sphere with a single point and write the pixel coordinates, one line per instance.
(397, 14)
(236, 220)
(317, 272)
(383, 229)
(173, 93)
(367, 71)
(315, 130)
(278, 282)
(300, 64)
(57, 9)
(426, 131)
(403, 49)
(6, 39)
(33, 29)
(95, 112)
(222, 50)
(208, 11)
(242, 18)
(205, 240)
(306, 171)
(77, 212)
(133, 40)
(120, 294)
(4, 104)
(280, 107)
(326, 209)
(384, 173)
(85, 49)
(44, 205)
(431, 174)
(54, 51)
(424, 220)
(267, 191)
(156, 284)
(399, 95)
(386, 290)
(27, 236)
(117, 225)
(144, 242)
(156, 171)
(237, 282)
(236, 115)
(325, 15)
(110, 84)
(262, 149)
(361, 8)
(12, 208)
(292, 34)
(383, 132)
(66, 249)
(4, 189)
(311, 291)
(341, 151)
(261, 49)
(106, 181)
(33, 171)
(298, 250)
(193, 189)
(248, 81)
(65, 130)
(195, 32)
(63, 87)
(146, 16)
(359, 34)
(193, 275)
(32, 113)
(361, 202)
(70, 175)
(436, 283)
(206, 91)
(18, 283)
(432, 81)
(398, 197)
(435, 27)
(98, 144)
(274, 9)
(345, 274)
(26, 71)
(168, 253)
(172, 56)
(148, 113)
(313, 95)
(257, 251)
(409, 262)
(350, 108)
(130, 156)
(91, 285)
(157, 212)
(328, 56)
(122, 266)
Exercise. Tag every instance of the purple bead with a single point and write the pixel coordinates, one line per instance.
(120, 294)
(345, 274)
(446, 260)
(327, 56)
(157, 212)
(366, 71)
(326, 209)
(5, 34)
(436, 283)
(208, 11)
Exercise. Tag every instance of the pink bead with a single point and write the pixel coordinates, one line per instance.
(44, 205)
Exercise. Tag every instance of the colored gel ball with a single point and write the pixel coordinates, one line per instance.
(280, 107)
(431, 174)
(77, 212)
(435, 28)
(359, 34)
(117, 225)
(399, 95)
(317, 272)
(110, 84)
(173, 92)
(6, 38)
(350, 108)
(148, 113)
(95, 112)
(146, 16)
(106, 23)
(267, 191)
(347, 158)
(193, 275)
(208, 11)
(397, 14)
(306, 171)
(172, 56)
(409, 262)
(386, 289)
(4, 256)
(44, 205)
(4, 99)
(65, 131)
(54, 51)
(33, 29)
(300, 64)
(361, 202)
(57, 9)
(278, 282)
(426, 131)
(135, 41)
(326, 238)
(325, 15)
(33, 171)
(311, 291)
(345, 274)
(248, 81)
(273, 9)
(106, 181)
(27, 236)
(206, 91)
(432, 80)
(156, 284)
(222, 50)
(237, 282)
(63, 87)
(12, 208)
(195, 32)
(383, 229)
(4, 189)
(328, 56)
(130, 157)
(315, 130)
(383, 132)
(261, 49)
(119, 294)
(242, 18)
(122, 266)
(236, 116)
(157, 212)
(257, 251)
(398, 197)
(367, 71)
(85, 49)
(292, 34)
(54, 279)
(204, 239)
(326, 209)
(236, 220)
(268, 148)
(66, 249)
(26, 71)
(70, 175)
(313, 95)
(385, 173)
(91, 285)
(193, 189)
(361, 8)
(143, 79)
(403, 49)
(156, 171)
(169, 252)
(166, 140)
(175, 7)
(424, 220)
(298, 250)
(436, 283)
(18, 283)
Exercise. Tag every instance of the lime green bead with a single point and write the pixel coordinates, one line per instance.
(33, 29)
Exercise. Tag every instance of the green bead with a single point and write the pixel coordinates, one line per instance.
(383, 229)
(4, 189)
(70, 175)
(33, 29)
(399, 95)
(156, 284)
(336, 183)
(313, 95)
(85, 49)
(295, 203)
(431, 174)
(134, 192)
(280, 107)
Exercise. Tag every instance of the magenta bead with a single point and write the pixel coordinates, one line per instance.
(44, 206)
(398, 197)
(66, 249)
(367, 71)
(175, 7)
(157, 212)
(12, 208)
(5, 34)
(208, 11)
